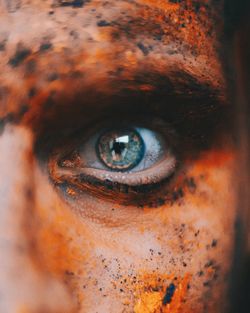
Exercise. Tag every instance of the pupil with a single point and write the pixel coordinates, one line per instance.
(118, 147)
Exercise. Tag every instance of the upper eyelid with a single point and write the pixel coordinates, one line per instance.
(204, 103)
(163, 86)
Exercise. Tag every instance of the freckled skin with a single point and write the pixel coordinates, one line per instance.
(98, 255)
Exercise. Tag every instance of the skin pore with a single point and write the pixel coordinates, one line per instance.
(75, 243)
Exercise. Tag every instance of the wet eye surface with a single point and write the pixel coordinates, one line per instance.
(125, 160)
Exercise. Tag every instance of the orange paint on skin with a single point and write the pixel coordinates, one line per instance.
(161, 4)
(215, 158)
(151, 294)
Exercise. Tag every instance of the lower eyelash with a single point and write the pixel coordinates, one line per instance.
(110, 190)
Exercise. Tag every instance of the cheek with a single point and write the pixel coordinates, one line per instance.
(196, 234)
(187, 244)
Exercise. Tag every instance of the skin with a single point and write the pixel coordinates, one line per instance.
(72, 251)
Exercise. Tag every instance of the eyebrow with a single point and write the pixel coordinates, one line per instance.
(195, 110)
(146, 91)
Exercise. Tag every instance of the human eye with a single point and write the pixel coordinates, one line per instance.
(123, 159)
(133, 150)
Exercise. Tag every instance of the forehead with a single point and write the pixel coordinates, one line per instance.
(61, 46)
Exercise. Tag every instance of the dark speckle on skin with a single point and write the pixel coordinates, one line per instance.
(190, 183)
(5, 120)
(30, 67)
(177, 194)
(206, 283)
(74, 34)
(3, 92)
(32, 92)
(46, 46)
(145, 50)
(209, 263)
(2, 45)
(50, 102)
(103, 23)
(169, 294)
(23, 109)
(72, 3)
(21, 54)
(52, 76)
(214, 243)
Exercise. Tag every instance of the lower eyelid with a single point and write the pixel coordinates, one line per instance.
(162, 170)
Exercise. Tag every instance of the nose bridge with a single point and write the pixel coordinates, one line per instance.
(23, 286)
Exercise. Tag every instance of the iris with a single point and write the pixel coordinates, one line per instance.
(120, 150)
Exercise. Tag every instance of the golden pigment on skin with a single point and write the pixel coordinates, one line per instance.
(160, 297)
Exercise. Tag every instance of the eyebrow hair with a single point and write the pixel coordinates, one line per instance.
(195, 110)
(142, 92)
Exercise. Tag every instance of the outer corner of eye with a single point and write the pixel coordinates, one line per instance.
(131, 156)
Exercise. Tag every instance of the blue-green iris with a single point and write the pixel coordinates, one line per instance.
(120, 150)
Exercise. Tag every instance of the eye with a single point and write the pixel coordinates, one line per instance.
(120, 158)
